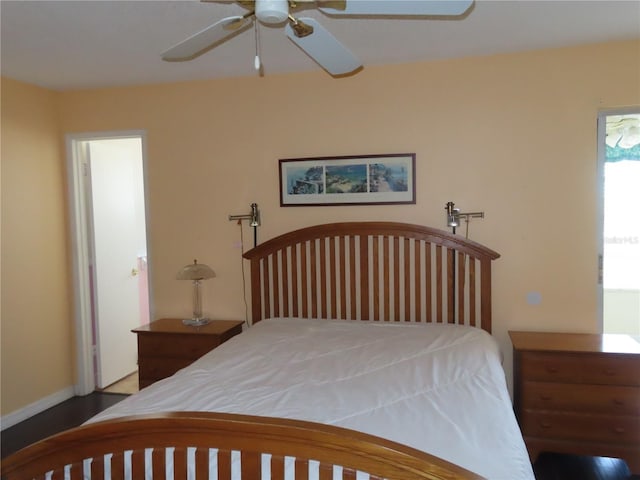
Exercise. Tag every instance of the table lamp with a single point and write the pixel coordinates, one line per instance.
(196, 272)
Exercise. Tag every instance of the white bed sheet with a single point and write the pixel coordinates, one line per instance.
(437, 388)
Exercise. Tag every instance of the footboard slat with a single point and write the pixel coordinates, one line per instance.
(251, 465)
(348, 475)
(301, 470)
(224, 465)
(180, 463)
(117, 465)
(277, 467)
(157, 463)
(325, 472)
(201, 463)
(137, 464)
(76, 473)
(58, 474)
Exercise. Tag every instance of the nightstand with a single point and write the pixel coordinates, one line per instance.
(578, 393)
(167, 345)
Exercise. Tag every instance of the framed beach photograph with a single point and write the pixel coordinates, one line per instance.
(348, 180)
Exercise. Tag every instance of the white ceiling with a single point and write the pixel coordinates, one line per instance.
(64, 45)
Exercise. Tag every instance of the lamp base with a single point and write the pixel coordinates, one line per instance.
(195, 322)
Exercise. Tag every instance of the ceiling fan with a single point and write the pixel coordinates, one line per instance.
(307, 33)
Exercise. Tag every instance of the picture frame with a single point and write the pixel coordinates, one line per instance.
(379, 179)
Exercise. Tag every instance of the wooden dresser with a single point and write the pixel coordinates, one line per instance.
(167, 345)
(578, 393)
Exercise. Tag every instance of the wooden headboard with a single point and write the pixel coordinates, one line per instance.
(384, 271)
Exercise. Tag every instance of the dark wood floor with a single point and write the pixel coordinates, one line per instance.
(76, 410)
(68, 414)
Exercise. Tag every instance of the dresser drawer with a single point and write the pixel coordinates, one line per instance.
(603, 399)
(176, 346)
(581, 368)
(583, 427)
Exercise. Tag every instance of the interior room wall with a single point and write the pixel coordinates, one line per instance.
(511, 135)
(37, 332)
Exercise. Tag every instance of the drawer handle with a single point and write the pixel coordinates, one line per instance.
(609, 372)
(552, 369)
(545, 424)
(618, 402)
(545, 397)
(619, 429)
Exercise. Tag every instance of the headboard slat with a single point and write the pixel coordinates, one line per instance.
(407, 280)
(396, 278)
(304, 289)
(472, 293)
(275, 280)
(485, 294)
(461, 262)
(323, 277)
(375, 254)
(313, 264)
(382, 271)
(352, 277)
(342, 245)
(417, 284)
(294, 280)
(439, 288)
(386, 286)
(450, 299)
(265, 284)
(364, 277)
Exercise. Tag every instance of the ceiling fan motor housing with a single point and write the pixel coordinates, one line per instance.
(272, 12)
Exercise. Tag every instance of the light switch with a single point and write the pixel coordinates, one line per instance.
(534, 298)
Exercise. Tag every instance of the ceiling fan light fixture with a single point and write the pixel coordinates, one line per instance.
(272, 12)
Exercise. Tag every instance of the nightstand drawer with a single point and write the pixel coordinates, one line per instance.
(604, 399)
(157, 368)
(177, 345)
(589, 428)
(581, 368)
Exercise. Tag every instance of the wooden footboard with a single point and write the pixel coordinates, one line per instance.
(246, 446)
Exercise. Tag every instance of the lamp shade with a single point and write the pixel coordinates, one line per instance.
(195, 271)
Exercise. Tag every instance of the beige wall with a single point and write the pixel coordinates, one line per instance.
(511, 135)
(37, 333)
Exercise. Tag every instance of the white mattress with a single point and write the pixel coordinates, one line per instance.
(437, 388)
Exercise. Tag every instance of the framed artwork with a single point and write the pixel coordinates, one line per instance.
(348, 180)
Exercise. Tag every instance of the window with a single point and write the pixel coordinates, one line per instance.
(621, 223)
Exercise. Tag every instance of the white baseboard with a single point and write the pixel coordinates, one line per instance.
(34, 408)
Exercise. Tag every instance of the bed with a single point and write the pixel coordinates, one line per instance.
(369, 355)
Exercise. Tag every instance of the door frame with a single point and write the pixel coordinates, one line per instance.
(601, 136)
(81, 239)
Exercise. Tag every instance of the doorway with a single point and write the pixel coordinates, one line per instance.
(110, 253)
(619, 146)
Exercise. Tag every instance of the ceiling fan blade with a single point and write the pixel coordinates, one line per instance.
(207, 38)
(396, 7)
(324, 48)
